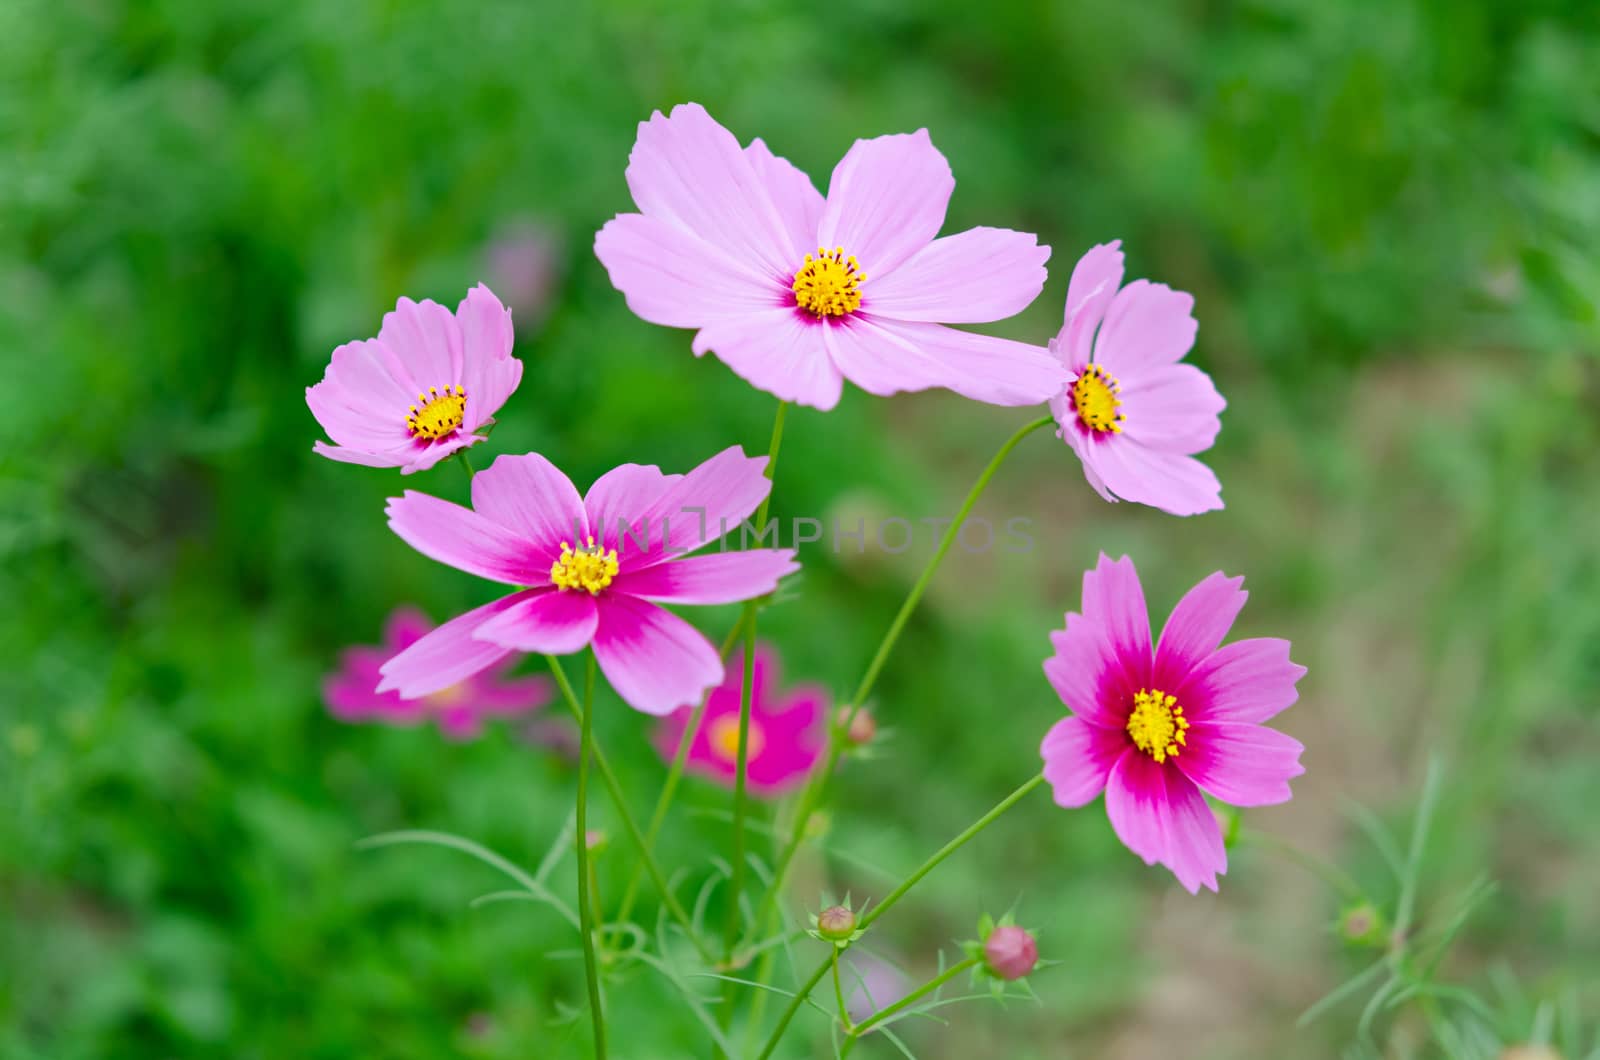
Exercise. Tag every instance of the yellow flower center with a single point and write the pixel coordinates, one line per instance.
(1157, 724)
(724, 738)
(437, 412)
(1094, 396)
(588, 568)
(829, 284)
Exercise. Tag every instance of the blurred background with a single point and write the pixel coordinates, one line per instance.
(1388, 213)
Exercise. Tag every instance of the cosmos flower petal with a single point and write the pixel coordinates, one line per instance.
(1113, 598)
(1196, 626)
(697, 508)
(884, 356)
(617, 504)
(531, 498)
(1078, 758)
(718, 578)
(1172, 408)
(654, 660)
(778, 351)
(425, 338)
(488, 372)
(427, 456)
(1086, 672)
(798, 201)
(1246, 681)
(1243, 765)
(673, 277)
(1173, 482)
(1094, 284)
(463, 538)
(364, 457)
(550, 622)
(688, 170)
(886, 200)
(1148, 326)
(448, 655)
(971, 277)
(1161, 816)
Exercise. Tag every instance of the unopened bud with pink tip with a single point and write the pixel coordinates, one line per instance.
(860, 727)
(836, 925)
(1010, 952)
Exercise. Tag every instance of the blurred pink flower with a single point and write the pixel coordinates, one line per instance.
(796, 292)
(459, 710)
(786, 735)
(1131, 412)
(590, 571)
(872, 983)
(1155, 728)
(523, 261)
(416, 393)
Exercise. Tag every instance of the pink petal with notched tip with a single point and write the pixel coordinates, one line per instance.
(654, 660)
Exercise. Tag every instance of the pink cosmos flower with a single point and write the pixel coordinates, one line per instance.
(796, 292)
(590, 571)
(460, 710)
(418, 392)
(1154, 728)
(786, 734)
(1131, 412)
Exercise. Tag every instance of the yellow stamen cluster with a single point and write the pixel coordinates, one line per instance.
(1157, 724)
(587, 568)
(724, 738)
(437, 412)
(829, 284)
(1094, 396)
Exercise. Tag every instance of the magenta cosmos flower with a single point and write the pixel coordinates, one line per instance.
(796, 292)
(786, 735)
(1131, 412)
(460, 710)
(1154, 728)
(590, 571)
(418, 392)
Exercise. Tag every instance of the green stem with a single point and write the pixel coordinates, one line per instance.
(741, 769)
(646, 858)
(811, 796)
(591, 968)
(669, 788)
(906, 1002)
(838, 994)
(893, 898)
(466, 462)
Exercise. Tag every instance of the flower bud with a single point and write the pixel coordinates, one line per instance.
(1362, 925)
(1010, 952)
(861, 726)
(836, 923)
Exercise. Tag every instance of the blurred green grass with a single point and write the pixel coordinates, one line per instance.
(1388, 213)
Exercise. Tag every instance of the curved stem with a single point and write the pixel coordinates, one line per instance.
(591, 969)
(906, 1002)
(742, 765)
(466, 462)
(811, 796)
(894, 897)
(669, 787)
(838, 994)
(646, 857)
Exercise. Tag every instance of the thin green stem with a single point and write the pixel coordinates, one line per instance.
(466, 462)
(838, 994)
(742, 766)
(906, 1002)
(894, 897)
(591, 967)
(646, 858)
(669, 788)
(811, 796)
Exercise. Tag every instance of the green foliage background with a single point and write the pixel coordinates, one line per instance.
(1388, 212)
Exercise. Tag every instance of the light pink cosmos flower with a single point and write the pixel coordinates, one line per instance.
(418, 392)
(459, 710)
(1131, 412)
(796, 292)
(1154, 728)
(590, 571)
(786, 735)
